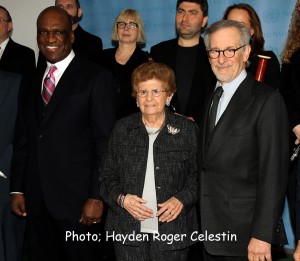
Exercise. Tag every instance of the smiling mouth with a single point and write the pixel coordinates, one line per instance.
(51, 48)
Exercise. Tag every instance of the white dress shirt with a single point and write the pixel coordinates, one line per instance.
(3, 46)
(228, 91)
(61, 67)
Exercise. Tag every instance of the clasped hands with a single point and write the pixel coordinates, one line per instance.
(169, 210)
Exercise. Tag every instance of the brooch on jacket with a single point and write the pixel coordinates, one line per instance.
(172, 130)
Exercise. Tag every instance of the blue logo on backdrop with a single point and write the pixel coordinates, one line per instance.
(270, 15)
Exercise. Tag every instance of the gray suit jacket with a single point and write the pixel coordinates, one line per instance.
(123, 171)
(244, 170)
(9, 87)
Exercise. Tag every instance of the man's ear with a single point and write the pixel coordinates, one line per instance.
(9, 26)
(247, 52)
(204, 21)
(79, 12)
(72, 37)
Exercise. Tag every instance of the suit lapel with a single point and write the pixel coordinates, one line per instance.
(237, 107)
(7, 53)
(63, 87)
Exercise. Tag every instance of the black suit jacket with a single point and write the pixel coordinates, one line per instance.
(203, 81)
(122, 74)
(244, 170)
(57, 149)
(8, 113)
(17, 58)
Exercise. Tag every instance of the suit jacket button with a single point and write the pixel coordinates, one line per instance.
(40, 136)
(158, 187)
(157, 168)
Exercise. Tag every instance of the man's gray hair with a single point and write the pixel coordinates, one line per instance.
(243, 31)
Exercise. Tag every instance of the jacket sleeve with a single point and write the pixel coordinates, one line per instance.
(272, 153)
(103, 115)
(109, 181)
(188, 195)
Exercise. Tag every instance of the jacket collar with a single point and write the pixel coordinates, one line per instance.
(171, 120)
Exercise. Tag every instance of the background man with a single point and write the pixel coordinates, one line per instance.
(14, 57)
(186, 55)
(61, 133)
(243, 153)
(11, 227)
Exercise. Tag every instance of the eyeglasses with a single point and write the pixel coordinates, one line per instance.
(3, 20)
(130, 25)
(228, 53)
(154, 93)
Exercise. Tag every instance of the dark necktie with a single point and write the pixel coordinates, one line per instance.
(49, 85)
(213, 110)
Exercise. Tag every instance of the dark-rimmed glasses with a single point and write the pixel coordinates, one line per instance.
(228, 53)
(130, 25)
(154, 93)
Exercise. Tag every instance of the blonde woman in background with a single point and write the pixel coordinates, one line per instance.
(128, 35)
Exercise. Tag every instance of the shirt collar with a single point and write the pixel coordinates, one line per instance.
(3, 45)
(63, 64)
(233, 85)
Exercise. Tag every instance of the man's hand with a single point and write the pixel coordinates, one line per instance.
(18, 205)
(91, 212)
(297, 252)
(296, 130)
(259, 250)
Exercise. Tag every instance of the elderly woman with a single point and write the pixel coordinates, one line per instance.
(148, 174)
(128, 35)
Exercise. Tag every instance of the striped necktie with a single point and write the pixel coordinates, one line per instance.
(49, 85)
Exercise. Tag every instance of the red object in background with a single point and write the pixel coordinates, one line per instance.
(261, 67)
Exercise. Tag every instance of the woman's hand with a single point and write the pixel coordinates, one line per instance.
(135, 206)
(169, 210)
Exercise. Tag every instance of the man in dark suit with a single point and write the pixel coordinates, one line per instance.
(243, 154)
(186, 55)
(14, 57)
(60, 135)
(11, 227)
(86, 45)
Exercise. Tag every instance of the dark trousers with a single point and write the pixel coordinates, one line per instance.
(209, 257)
(148, 251)
(50, 239)
(11, 232)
